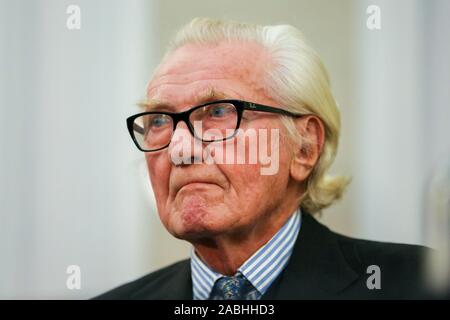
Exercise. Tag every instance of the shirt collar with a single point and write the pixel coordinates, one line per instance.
(261, 269)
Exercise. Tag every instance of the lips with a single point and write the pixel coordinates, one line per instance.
(196, 183)
(201, 174)
(192, 182)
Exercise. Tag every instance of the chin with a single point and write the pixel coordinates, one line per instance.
(194, 221)
(194, 229)
(193, 233)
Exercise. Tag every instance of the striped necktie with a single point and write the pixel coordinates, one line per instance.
(234, 288)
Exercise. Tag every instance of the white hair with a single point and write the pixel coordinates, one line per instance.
(298, 81)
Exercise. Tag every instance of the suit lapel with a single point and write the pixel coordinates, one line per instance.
(176, 286)
(179, 287)
(317, 267)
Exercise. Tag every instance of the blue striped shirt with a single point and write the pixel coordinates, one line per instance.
(261, 269)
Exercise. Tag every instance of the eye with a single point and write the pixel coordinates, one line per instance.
(158, 121)
(221, 110)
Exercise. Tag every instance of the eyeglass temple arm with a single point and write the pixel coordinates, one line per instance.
(262, 108)
(138, 128)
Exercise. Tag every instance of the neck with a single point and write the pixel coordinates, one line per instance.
(227, 252)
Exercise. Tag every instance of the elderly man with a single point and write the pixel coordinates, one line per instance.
(253, 233)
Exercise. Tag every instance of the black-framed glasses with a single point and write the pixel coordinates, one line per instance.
(210, 122)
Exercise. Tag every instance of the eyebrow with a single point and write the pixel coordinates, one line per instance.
(205, 96)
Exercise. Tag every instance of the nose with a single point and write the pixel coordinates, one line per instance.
(184, 149)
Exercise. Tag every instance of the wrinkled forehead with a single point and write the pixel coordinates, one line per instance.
(228, 69)
(234, 57)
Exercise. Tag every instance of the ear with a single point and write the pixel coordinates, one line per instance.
(307, 153)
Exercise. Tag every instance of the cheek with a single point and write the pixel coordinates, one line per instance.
(251, 193)
(247, 183)
(245, 187)
(159, 171)
(252, 181)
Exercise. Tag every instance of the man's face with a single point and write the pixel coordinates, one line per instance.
(206, 200)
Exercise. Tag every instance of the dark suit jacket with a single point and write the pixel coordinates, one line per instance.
(323, 265)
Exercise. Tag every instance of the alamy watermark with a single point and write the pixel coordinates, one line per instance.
(374, 280)
(73, 281)
(73, 21)
(373, 21)
(250, 146)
